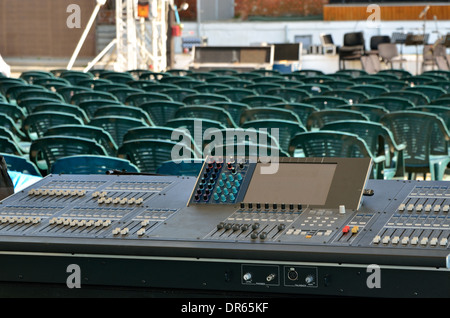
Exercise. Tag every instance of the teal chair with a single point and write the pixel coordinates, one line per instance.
(15, 112)
(149, 154)
(235, 109)
(236, 94)
(396, 73)
(90, 106)
(125, 111)
(46, 150)
(431, 91)
(178, 94)
(291, 95)
(380, 142)
(204, 99)
(416, 130)
(98, 134)
(314, 89)
(9, 146)
(302, 110)
(20, 164)
(417, 98)
(391, 103)
(138, 99)
(123, 93)
(326, 102)
(392, 85)
(352, 96)
(117, 126)
(161, 111)
(371, 90)
(206, 112)
(262, 88)
(259, 113)
(62, 108)
(79, 97)
(373, 112)
(69, 90)
(326, 143)
(91, 164)
(262, 100)
(211, 88)
(317, 119)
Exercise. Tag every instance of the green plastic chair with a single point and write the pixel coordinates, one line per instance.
(161, 111)
(334, 144)
(314, 89)
(21, 164)
(220, 78)
(392, 85)
(371, 90)
(317, 119)
(90, 106)
(441, 73)
(117, 126)
(106, 87)
(282, 130)
(398, 73)
(125, 111)
(206, 112)
(259, 113)
(338, 84)
(236, 94)
(117, 77)
(62, 108)
(37, 123)
(379, 140)
(68, 91)
(432, 92)
(123, 93)
(204, 99)
(352, 96)
(75, 77)
(235, 109)
(172, 168)
(211, 88)
(140, 98)
(391, 103)
(302, 110)
(164, 133)
(179, 94)
(262, 88)
(16, 113)
(149, 154)
(9, 146)
(141, 84)
(151, 75)
(8, 82)
(48, 82)
(291, 95)
(372, 112)
(442, 101)
(46, 150)
(354, 73)
(308, 72)
(31, 76)
(188, 83)
(417, 98)
(8, 123)
(326, 102)
(238, 83)
(202, 76)
(366, 79)
(415, 129)
(80, 97)
(93, 83)
(442, 84)
(98, 134)
(159, 87)
(174, 79)
(419, 80)
(37, 91)
(319, 79)
(91, 164)
(262, 100)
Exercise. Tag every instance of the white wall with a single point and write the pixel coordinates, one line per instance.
(248, 33)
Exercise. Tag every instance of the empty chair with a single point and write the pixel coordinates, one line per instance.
(415, 129)
(352, 49)
(317, 119)
(262, 100)
(235, 109)
(16, 113)
(68, 91)
(373, 112)
(258, 113)
(21, 164)
(137, 99)
(325, 102)
(394, 73)
(314, 89)
(353, 97)
(62, 108)
(334, 144)
(36, 124)
(371, 90)
(379, 140)
(415, 97)
(13, 91)
(90, 106)
(79, 97)
(388, 52)
(391, 103)
(179, 94)
(290, 95)
(117, 126)
(31, 76)
(302, 110)
(98, 134)
(161, 111)
(9, 124)
(206, 112)
(123, 93)
(211, 88)
(91, 164)
(149, 154)
(125, 111)
(46, 150)
(283, 130)
(236, 94)
(431, 91)
(74, 77)
(36, 93)
(117, 77)
(262, 87)
(376, 40)
(204, 99)
(392, 84)
(9, 146)
(183, 168)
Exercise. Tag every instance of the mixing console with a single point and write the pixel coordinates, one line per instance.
(313, 227)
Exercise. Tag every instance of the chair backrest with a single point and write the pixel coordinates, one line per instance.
(236, 94)
(329, 144)
(204, 99)
(90, 106)
(321, 117)
(391, 103)
(21, 164)
(161, 111)
(326, 102)
(262, 100)
(62, 108)
(302, 110)
(52, 148)
(86, 131)
(235, 109)
(415, 129)
(376, 40)
(79, 97)
(258, 113)
(117, 126)
(353, 97)
(373, 112)
(291, 95)
(7, 145)
(37, 123)
(124, 110)
(206, 112)
(149, 154)
(416, 97)
(137, 99)
(354, 39)
(91, 164)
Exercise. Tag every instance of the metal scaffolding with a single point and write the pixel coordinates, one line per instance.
(140, 43)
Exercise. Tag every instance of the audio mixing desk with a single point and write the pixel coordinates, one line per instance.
(318, 226)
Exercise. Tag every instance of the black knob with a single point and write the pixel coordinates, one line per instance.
(266, 206)
(242, 205)
(254, 235)
(236, 227)
(283, 206)
(228, 226)
(244, 227)
(281, 227)
(258, 206)
(250, 205)
(263, 235)
(255, 226)
(220, 225)
(291, 207)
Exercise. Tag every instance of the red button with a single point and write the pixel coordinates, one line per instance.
(346, 229)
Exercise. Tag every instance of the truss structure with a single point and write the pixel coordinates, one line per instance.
(140, 43)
